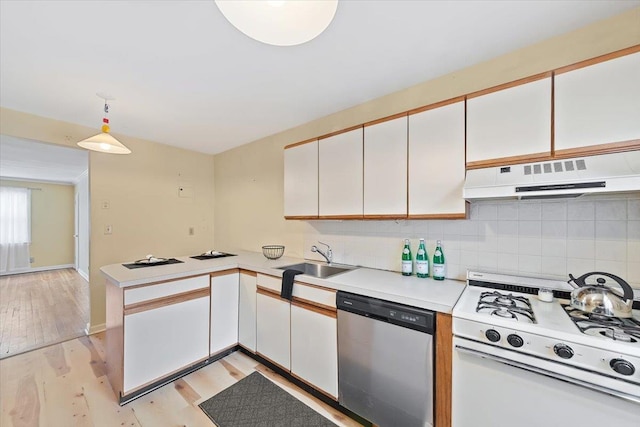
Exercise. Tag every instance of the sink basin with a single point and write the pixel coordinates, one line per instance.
(321, 271)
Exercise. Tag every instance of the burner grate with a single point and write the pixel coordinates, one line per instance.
(507, 306)
(613, 328)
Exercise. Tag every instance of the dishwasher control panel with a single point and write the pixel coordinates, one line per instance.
(399, 314)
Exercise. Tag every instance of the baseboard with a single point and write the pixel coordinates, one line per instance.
(94, 329)
(36, 269)
(84, 275)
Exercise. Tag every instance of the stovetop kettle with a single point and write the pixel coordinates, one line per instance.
(599, 298)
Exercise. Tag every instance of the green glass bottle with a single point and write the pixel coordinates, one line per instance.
(422, 261)
(407, 260)
(438, 262)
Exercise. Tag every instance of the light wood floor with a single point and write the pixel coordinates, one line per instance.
(37, 309)
(66, 385)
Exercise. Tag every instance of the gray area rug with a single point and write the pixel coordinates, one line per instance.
(255, 401)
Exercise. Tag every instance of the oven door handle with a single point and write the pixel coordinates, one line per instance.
(547, 373)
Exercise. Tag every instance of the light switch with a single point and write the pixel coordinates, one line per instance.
(105, 204)
(108, 229)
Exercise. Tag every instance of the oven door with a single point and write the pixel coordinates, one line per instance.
(496, 387)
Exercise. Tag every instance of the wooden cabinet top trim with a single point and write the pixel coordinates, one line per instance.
(248, 272)
(508, 161)
(315, 307)
(508, 85)
(599, 59)
(306, 141)
(385, 119)
(338, 132)
(269, 293)
(436, 105)
(224, 272)
(315, 286)
(439, 216)
(301, 217)
(142, 285)
(614, 147)
(166, 300)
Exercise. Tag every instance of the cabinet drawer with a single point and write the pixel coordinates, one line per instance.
(160, 290)
(270, 282)
(316, 295)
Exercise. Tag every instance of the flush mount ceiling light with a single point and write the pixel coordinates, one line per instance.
(104, 142)
(280, 23)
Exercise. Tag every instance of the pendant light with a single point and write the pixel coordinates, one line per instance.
(104, 142)
(279, 23)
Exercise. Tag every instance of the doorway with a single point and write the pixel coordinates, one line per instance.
(44, 295)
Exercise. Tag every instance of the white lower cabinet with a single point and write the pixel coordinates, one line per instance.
(247, 311)
(224, 311)
(314, 348)
(160, 341)
(273, 320)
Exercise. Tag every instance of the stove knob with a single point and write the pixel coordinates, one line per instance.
(622, 367)
(515, 340)
(563, 350)
(492, 335)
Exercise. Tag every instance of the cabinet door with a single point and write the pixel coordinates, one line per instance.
(314, 348)
(340, 174)
(385, 168)
(436, 162)
(510, 122)
(273, 339)
(301, 180)
(160, 341)
(247, 315)
(224, 311)
(598, 104)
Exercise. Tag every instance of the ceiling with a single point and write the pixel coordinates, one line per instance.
(36, 161)
(182, 75)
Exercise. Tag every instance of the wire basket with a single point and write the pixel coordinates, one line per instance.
(273, 251)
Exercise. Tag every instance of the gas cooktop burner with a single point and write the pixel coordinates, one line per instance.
(614, 328)
(507, 306)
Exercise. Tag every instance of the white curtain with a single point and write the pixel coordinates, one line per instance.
(15, 228)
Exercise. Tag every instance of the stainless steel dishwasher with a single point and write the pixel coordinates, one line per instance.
(385, 361)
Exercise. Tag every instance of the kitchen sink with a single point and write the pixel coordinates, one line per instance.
(321, 271)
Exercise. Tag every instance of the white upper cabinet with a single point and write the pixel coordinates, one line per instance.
(340, 174)
(598, 104)
(436, 162)
(385, 168)
(510, 122)
(301, 180)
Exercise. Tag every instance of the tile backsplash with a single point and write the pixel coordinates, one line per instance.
(549, 238)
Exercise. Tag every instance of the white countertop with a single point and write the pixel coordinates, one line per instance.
(387, 285)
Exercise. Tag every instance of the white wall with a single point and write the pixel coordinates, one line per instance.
(541, 238)
(82, 192)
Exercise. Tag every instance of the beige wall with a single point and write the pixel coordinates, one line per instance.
(145, 211)
(52, 216)
(148, 217)
(249, 179)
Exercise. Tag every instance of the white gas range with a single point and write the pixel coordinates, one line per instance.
(514, 352)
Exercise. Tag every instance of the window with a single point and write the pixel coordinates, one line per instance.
(15, 228)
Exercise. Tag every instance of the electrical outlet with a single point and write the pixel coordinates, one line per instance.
(105, 204)
(32, 260)
(191, 231)
(108, 229)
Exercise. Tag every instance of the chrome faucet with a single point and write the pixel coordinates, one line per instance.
(328, 255)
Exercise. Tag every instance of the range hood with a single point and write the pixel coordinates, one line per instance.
(604, 173)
